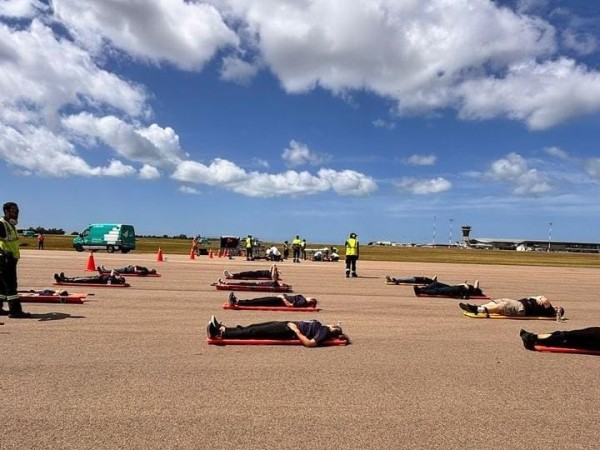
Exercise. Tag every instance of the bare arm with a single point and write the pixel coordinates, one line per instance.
(305, 341)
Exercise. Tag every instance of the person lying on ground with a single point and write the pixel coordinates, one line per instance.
(272, 274)
(129, 269)
(538, 306)
(463, 290)
(583, 339)
(45, 292)
(236, 282)
(104, 278)
(289, 300)
(311, 333)
(410, 280)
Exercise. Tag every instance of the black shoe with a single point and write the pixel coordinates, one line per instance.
(56, 278)
(468, 307)
(347, 274)
(232, 299)
(3, 312)
(20, 315)
(529, 339)
(417, 290)
(354, 275)
(211, 329)
(62, 275)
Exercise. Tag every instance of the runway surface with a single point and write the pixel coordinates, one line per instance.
(130, 368)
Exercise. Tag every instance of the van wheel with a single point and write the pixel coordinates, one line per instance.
(110, 249)
(79, 247)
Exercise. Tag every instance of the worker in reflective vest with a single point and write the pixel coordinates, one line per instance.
(352, 252)
(249, 256)
(296, 246)
(9, 256)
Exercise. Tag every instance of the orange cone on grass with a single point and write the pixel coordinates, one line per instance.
(159, 255)
(192, 254)
(91, 264)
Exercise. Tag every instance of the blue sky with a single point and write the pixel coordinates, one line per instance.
(399, 120)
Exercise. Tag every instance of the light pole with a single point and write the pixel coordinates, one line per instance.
(450, 235)
(433, 241)
(549, 234)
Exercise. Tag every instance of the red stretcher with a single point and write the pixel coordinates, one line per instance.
(52, 298)
(114, 285)
(269, 308)
(257, 288)
(471, 297)
(121, 274)
(219, 341)
(580, 351)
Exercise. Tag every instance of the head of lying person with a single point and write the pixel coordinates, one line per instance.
(311, 301)
(334, 331)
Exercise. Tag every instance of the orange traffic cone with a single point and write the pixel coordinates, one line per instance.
(192, 254)
(91, 264)
(159, 255)
(226, 253)
(219, 254)
(210, 255)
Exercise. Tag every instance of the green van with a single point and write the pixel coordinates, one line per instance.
(109, 236)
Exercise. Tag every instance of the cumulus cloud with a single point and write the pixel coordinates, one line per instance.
(556, 152)
(188, 190)
(22, 8)
(514, 169)
(424, 187)
(148, 172)
(185, 34)
(421, 160)
(229, 176)
(380, 123)
(298, 154)
(237, 70)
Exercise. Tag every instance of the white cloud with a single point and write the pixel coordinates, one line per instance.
(298, 154)
(424, 187)
(148, 172)
(380, 123)
(188, 190)
(557, 152)
(421, 160)
(229, 176)
(38, 151)
(514, 169)
(237, 70)
(21, 8)
(151, 145)
(186, 34)
(582, 43)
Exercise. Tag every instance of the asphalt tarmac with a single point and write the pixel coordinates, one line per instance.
(131, 369)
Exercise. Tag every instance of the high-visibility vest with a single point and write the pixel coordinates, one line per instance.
(296, 243)
(351, 247)
(248, 242)
(10, 244)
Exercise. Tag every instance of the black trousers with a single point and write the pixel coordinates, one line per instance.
(266, 330)
(8, 283)
(251, 274)
(351, 263)
(262, 301)
(586, 338)
(296, 253)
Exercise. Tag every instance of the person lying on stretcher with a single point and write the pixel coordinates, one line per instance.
(538, 306)
(104, 278)
(45, 292)
(464, 290)
(288, 300)
(584, 339)
(311, 333)
(410, 280)
(264, 283)
(272, 274)
(129, 269)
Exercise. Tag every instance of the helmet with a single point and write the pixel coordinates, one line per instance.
(353, 235)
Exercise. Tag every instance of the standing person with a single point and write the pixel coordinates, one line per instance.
(9, 256)
(41, 239)
(195, 246)
(352, 251)
(249, 256)
(286, 250)
(296, 245)
(303, 249)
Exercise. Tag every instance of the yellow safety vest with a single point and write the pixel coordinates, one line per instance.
(10, 244)
(248, 242)
(296, 243)
(351, 247)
